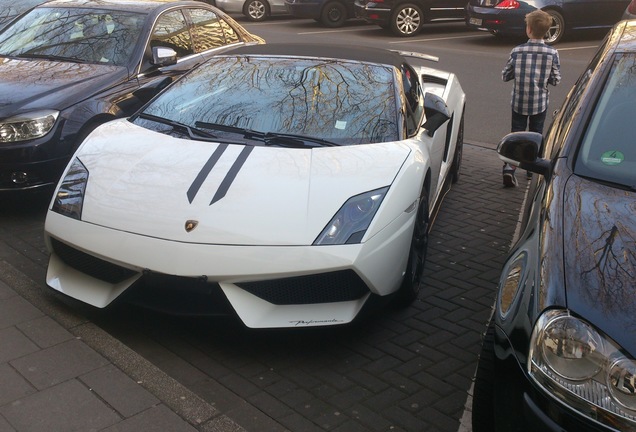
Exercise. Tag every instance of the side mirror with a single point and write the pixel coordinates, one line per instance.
(522, 149)
(436, 113)
(163, 56)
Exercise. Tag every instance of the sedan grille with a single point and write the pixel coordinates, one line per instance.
(90, 265)
(333, 287)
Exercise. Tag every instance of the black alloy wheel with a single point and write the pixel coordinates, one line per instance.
(334, 14)
(411, 284)
(459, 151)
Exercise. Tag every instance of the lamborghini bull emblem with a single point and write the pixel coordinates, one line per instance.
(190, 225)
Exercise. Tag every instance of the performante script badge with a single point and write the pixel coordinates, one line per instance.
(190, 225)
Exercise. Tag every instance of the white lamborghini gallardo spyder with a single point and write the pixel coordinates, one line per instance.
(290, 184)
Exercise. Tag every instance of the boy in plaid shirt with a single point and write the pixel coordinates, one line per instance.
(532, 65)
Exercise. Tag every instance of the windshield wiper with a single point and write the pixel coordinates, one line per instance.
(269, 138)
(49, 57)
(193, 133)
(293, 139)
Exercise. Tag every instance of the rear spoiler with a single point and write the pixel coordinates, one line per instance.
(417, 55)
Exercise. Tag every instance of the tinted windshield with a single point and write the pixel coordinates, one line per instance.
(608, 150)
(86, 35)
(343, 102)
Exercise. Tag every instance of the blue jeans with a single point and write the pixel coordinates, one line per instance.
(533, 123)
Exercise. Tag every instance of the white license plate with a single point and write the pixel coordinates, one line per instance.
(475, 21)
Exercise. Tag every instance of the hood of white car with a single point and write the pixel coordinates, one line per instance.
(151, 184)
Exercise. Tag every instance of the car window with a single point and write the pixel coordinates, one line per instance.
(82, 35)
(230, 34)
(555, 136)
(608, 149)
(207, 31)
(171, 30)
(343, 102)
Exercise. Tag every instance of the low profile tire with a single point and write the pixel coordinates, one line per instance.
(483, 418)
(410, 288)
(407, 20)
(334, 14)
(459, 151)
(256, 10)
(557, 30)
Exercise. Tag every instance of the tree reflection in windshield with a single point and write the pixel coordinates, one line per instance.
(343, 102)
(83, 35)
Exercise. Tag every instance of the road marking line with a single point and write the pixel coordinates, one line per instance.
(335, 31)
(437, 39)
(578, 48)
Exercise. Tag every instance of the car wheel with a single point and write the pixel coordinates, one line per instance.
(256, 10)
(459, 150)
(410, 287)
(557, 30)
(483, 418)
(334, 14)
(407, 20)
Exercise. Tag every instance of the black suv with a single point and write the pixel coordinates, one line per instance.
(406, 17)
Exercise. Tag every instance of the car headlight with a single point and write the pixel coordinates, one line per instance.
(27, 126)
(584, 369)
(352, 220)
(69, 197)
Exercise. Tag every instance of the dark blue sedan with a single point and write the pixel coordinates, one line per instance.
(560, 350)
(507, 17)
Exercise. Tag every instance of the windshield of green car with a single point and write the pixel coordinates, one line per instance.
(337, 101)
(608, 149)
(74, 34)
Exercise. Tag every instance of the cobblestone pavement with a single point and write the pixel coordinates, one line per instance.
(129, 369)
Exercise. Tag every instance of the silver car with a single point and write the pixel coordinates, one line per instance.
(254, 10)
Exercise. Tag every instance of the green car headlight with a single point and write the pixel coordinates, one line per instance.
(352, 220)
(27, 126)
(69, 197)
(584, 369)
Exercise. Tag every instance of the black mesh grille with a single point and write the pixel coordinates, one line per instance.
(178, 295)
(92, 266)
(333, 287)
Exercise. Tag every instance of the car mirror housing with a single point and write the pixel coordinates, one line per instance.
(522, 149)
(163, 56)
(436, 113)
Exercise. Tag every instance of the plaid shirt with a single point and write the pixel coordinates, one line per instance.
(533, 65)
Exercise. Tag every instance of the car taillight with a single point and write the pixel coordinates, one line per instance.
(508, 4)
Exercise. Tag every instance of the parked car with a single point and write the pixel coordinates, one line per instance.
(11, 9)
(330, 13)
(67, 66)
(630, 12)
(507, 17)
(559, 353)
(254, 10)
(406, 17)
(293, 189)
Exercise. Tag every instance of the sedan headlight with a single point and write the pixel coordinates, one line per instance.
(583, 368)
(69, 197)
(27, 126)
(352, 220)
